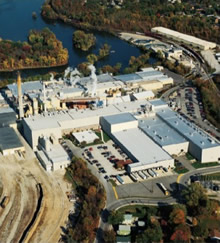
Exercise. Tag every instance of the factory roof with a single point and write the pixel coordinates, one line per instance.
(181, 36)
(120, 118)
(128, 77)
(105, 78)
(158, 103)
(148, 74)
(87, 136)
(144, 95)
(160, 131)
(7, 117)
(26, 87)
(187, 129)
(67, 90)
(64, 119)
(57, 154)
(9, 139)
(143, 148)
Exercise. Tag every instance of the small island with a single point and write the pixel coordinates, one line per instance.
(41, 50)
(83, 41)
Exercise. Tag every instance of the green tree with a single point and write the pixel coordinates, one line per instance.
(195, 197)
(200, 230)
(152, 234)
(115, 217)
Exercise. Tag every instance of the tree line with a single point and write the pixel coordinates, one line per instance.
(186, 17)
(92, 198)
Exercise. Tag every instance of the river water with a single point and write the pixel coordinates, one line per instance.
(16, 21)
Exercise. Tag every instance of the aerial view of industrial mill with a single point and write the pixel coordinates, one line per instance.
(109, 121)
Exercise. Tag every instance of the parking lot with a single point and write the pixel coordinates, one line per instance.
(106, 158)
(188, 101)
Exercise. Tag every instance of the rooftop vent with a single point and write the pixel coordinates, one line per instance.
(202, 142)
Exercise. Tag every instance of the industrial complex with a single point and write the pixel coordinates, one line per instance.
(183, 38)
(148, 131)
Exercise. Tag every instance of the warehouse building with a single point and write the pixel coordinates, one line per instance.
(9, 141)
(183, 38)
(145, 153)
(7, 117)
(164, 135)
(201, 145)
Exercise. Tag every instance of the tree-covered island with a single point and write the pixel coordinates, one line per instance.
(82, 40)
(41, 50)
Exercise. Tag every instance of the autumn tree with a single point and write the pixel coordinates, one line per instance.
(109, 236)
(178, 215)
(181, 233)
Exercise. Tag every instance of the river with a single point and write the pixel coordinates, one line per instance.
(16, 21)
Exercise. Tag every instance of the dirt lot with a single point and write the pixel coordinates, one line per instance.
(19, 176)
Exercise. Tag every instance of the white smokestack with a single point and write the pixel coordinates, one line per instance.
(44, 92)
(20, 101)
(94, 79)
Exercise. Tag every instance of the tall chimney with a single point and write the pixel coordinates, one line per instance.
(20, 102)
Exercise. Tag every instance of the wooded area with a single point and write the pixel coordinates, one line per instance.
(210, 100)
(92, 198)
(172, 223)
(188, 17)
(41, 50)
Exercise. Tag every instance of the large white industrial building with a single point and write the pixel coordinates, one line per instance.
(148, 131)
(187, 39)
(123, 129)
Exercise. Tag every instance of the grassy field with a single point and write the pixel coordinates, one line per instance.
(105, 136)
(198, 165)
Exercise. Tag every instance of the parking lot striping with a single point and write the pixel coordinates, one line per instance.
(178, 178)
(116, 194)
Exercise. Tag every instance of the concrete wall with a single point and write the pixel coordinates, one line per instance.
(176, 148)
(211, 155)
(111, 128)
(27, 133)
(139, 166)
(152, 85)
(60, 165)
(56, 132)
(123, 126)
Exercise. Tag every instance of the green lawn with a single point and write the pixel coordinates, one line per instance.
(189, 156)
(181, 170)
(105, 136)
(198, 165)
(214, 176)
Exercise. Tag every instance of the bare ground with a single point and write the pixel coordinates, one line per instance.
(19, 177)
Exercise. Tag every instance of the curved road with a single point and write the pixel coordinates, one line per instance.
(182, 179)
